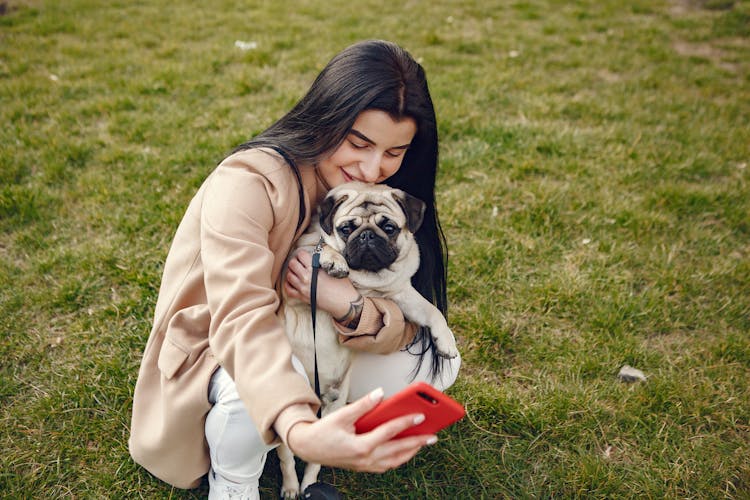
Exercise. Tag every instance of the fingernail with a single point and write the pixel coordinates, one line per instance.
(377, 394)
(431, 440)
(418, 419)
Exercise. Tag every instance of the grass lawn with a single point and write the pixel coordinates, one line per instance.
(593, 189)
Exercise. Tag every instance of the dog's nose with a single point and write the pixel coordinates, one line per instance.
(367, 235)
(369, 251)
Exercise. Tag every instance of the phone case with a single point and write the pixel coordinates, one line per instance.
(439, 409)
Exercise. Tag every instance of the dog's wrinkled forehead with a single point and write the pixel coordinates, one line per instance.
(372, 207)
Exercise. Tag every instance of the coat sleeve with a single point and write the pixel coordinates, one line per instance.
(240, 210)
(382, 328)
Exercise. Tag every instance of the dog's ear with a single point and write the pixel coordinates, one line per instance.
(326, 209)
(413, 207)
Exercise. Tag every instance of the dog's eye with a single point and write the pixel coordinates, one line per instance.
(346, 229)
(389, 228)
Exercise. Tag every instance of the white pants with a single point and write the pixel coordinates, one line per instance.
(238, 453)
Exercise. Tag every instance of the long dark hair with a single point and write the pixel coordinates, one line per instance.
(373, 74)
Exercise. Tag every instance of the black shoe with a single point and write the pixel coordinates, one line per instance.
(321, 491)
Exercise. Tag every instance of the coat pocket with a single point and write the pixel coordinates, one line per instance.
(185, 340)
(171, 358)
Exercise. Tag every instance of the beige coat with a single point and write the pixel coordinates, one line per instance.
(219, 305)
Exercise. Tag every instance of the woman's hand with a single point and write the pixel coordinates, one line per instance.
(332, 440)
(334, 294)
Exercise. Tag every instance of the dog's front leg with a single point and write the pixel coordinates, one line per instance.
(333, 262)
(334, 399)
(289, 481)
(422, 312)
(311, 475)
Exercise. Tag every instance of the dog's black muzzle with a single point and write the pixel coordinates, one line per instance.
(369, 251)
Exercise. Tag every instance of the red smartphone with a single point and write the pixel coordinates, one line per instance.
(439, 410)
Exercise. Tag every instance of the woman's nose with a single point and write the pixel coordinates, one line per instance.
(371, 167)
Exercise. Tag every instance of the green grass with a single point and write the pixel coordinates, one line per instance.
(593, 188)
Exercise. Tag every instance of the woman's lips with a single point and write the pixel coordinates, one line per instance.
(347, 177)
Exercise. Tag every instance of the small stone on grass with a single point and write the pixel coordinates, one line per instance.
(630, 374)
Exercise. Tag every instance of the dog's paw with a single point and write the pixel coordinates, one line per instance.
(289, 480)
(310, 476)
(335, 270)
(445, 343)
(333, 263)
(290, 493)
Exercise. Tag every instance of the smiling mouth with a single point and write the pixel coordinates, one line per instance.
(347, 177)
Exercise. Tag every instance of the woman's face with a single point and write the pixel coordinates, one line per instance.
(371, 152)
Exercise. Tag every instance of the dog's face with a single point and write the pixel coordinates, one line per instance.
(371, 225)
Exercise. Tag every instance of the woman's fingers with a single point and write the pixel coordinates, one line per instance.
(350, 413)
(298, 268)
(393, 458)
(298, 274)
(334, 294)
(303, 257)
(385, 432)
(383, 456)
(333, 441)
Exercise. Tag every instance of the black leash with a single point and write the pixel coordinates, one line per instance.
(313, 306)
(317, 490)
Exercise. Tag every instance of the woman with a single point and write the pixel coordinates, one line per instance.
(218, 386)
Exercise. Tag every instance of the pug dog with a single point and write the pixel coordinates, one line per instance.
(366, 232)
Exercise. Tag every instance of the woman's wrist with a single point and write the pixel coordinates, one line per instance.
(296, 438)
(350, 319)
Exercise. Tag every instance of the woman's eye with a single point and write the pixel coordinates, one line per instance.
(357, 146)
(395, 154)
